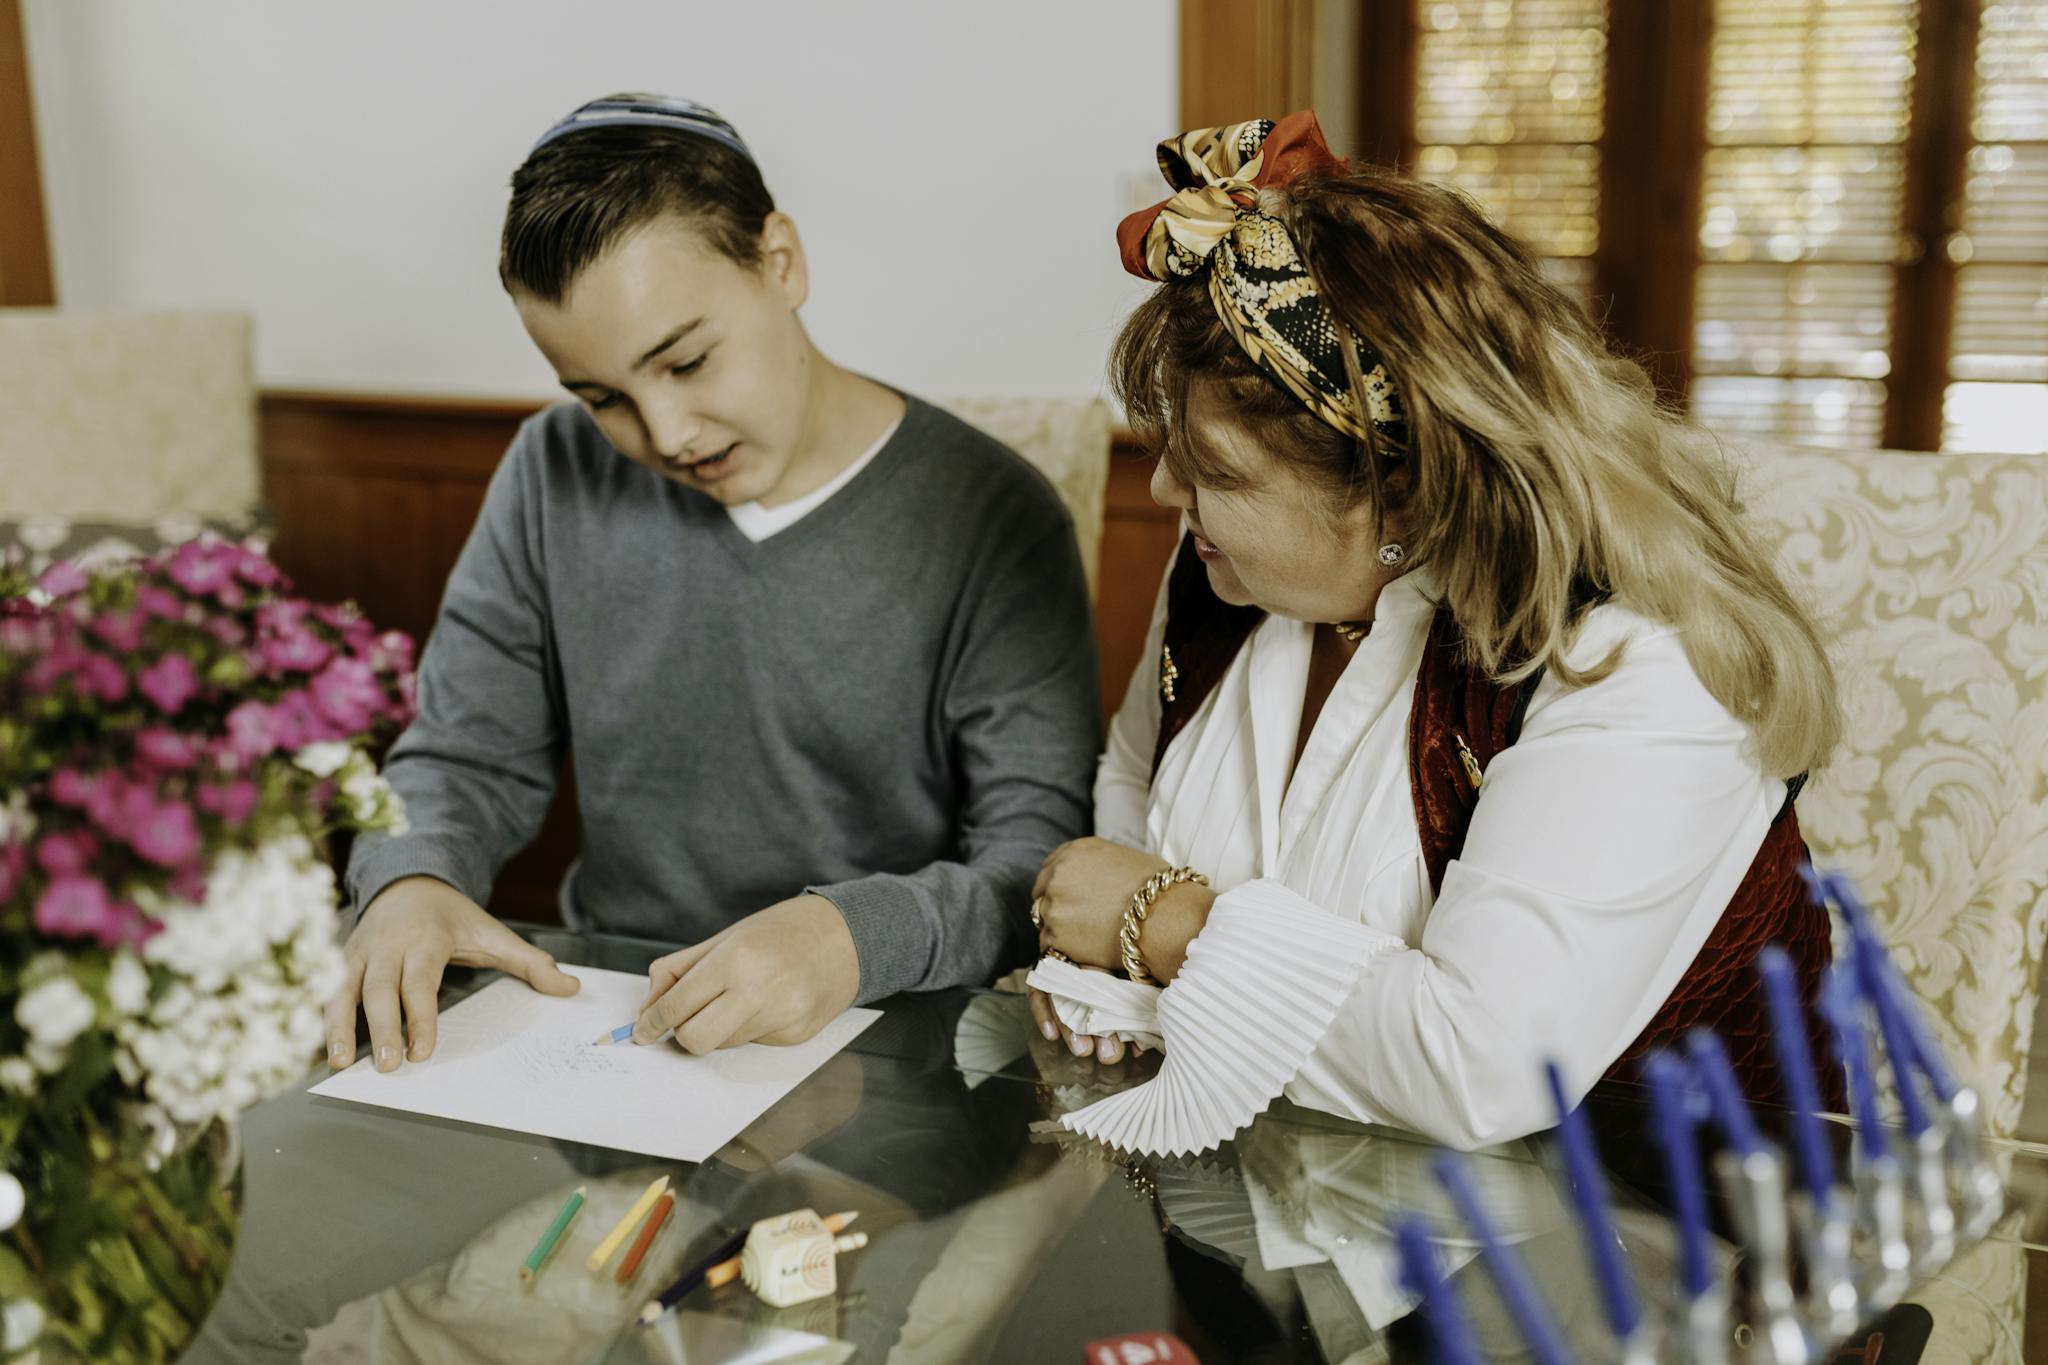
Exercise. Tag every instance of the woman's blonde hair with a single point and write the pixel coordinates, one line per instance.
(1541, 472)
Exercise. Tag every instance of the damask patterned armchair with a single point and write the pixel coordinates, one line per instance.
(1931, 574)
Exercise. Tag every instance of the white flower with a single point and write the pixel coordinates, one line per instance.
(21, 1322)
(16, 823)
(12, 1200)
(128, 984)
(250, 970)
(323, 759)
(17, 1074)
(54, 1011)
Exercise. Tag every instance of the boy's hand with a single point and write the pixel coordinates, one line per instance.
(778, 976)
(406, 938)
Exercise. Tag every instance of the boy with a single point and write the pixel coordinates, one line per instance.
(823, 652)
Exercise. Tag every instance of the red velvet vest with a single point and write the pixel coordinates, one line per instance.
(1461, 719)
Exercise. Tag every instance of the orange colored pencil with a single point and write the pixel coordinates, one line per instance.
(656, 1216)
(725, 1272)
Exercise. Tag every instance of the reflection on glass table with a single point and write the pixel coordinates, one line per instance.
(373, 1236)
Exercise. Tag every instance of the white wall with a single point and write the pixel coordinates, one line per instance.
(957, 168)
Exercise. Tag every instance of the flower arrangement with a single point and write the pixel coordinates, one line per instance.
(178, 738)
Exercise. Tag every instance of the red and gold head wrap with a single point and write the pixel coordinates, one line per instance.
(1257, 281)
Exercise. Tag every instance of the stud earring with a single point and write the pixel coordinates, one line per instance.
(1392, 554)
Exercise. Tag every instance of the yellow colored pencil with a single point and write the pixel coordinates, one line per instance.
(626, 1225)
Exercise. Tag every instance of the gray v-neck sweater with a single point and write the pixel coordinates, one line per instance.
(892, 702)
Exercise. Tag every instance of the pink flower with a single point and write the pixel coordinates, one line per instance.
(281, 615)
(251, 731)
(167, 836)
(257, 571)
(296, 650)
(199, 567)
(109, 806)
(188, 884)
(66, 855)
(77, 907)
(73, 789)
(101, 677)
(13, 862)
(230, 803)
(346, 692)
(227, 630)
(161, 603)
(165, 748)
(170, 682)
(120, 629)
(63, 578)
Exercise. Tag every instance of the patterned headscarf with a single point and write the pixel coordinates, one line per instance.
(1260, 287)
(647, 111)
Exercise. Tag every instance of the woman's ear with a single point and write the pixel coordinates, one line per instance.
(782, 260)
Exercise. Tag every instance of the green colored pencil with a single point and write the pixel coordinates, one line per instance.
(531, 1265)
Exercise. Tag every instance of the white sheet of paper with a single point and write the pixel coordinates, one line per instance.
(510, 1057)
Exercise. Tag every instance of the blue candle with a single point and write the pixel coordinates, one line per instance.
(1888, 990)
(1716, 1076)
(1669, 1101)
(1841, 1006)
(1795, 1064)
(1589, 1196)
(1449, 1332)
(1517, 1290)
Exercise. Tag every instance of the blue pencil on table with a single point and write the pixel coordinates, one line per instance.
(1671, 1105)
(1795, 1064)
(1450, 1334)
(1589, 1197)
(1525, 1303)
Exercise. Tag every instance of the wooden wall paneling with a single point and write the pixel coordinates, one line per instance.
(1138, 537)
(1385, 113)
(25, 280)
(1937, 155)
(1651, 158)
(1244, 59)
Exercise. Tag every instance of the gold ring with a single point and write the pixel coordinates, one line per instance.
(1038, 912)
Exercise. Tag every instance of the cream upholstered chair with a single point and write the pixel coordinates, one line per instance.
(1068, 440)
(124, 429)
(1931, 574)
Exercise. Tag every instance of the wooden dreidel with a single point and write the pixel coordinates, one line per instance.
(793, 1258)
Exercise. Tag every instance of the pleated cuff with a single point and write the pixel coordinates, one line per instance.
(1096, 1003)
(1261, 983)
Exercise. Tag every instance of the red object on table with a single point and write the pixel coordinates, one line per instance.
(656, 1216)
(1139, 1348)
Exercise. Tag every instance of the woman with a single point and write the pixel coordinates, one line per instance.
(1478, 709)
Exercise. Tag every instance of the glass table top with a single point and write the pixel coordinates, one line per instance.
(375, 1236)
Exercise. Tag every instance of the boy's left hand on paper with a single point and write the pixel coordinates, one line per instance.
(778, 976)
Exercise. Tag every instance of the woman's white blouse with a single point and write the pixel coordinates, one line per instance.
(1607, 842)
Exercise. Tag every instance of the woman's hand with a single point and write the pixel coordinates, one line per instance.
(1107, 1048)
(1079, 899)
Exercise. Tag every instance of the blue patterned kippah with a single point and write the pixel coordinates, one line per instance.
(647, 111)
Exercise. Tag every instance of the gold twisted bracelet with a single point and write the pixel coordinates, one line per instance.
(1134, 918)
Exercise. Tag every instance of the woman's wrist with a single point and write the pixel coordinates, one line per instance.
(1177, 916)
